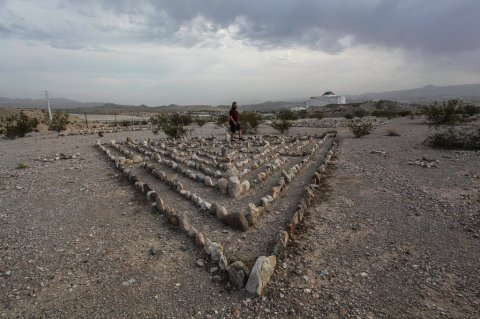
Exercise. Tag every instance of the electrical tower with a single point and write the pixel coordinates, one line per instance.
(48, 105)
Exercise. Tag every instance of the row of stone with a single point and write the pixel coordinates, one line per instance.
(275, 165)
(234, 220)
(181, 159)
(255, 211)
(335, 122)
(87, 131)
(265, 266)
(253, 281)
(280, 246)
(227, 184)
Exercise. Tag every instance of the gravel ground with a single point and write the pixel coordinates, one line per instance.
(384, 239)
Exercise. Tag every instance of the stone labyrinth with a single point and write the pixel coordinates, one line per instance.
(240, 202)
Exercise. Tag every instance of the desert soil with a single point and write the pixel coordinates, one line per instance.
(384, 239)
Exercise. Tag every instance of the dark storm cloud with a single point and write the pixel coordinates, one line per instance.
(426, 25)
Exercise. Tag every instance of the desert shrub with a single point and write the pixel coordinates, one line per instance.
(317, 115)
(200, 121)
(170, 124)
(222, 120)
(389, 114)
(250, 121)
(126, 123)
(283, 126)
(447, 114)
(360, 128)
(348, 116)
(360, 113)
(144, 122)
(467, 138)
(404, 113)
(18, 126)
(302, 114)
(58, 122)
(22, 165)
(287, 115)
(470, 110)
(392, 132)
(182, 119)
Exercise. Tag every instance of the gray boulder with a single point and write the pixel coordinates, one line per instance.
(261, 274)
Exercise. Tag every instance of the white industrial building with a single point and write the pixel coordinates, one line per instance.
(327, 98)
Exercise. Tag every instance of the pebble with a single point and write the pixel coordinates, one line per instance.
(128, 282)
(200, 263)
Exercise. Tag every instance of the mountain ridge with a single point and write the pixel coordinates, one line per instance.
(468, 92)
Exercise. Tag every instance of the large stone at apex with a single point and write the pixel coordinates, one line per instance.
(261, 274)
(234, 187)
(238, 273)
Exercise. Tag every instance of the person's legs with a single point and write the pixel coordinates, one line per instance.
(239, 131)
(232, 129)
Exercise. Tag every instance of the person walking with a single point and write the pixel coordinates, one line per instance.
(234, 121)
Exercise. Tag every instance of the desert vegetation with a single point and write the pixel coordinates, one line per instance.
(58, 122)
(19, 125)
(250, 121)
(173, 125)
(360, 128)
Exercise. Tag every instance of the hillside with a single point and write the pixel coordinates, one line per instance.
(469, 93)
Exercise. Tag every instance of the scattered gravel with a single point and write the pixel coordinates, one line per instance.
(384, 240)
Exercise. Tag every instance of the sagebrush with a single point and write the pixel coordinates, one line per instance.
(360, 128)
(18, 126)
(170, 124)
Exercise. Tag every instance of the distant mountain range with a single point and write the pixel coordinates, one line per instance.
(469, 93)
(425, 94)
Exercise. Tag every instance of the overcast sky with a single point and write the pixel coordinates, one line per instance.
(217, 51)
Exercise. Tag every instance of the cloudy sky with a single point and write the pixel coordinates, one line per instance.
(215, 51)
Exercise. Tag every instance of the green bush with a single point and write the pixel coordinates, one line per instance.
(200, 121)
(360, 128)
(360, 113)
(317, 115)
(447, 114)
(126, 123)
(250, 121)
(404, 113)
(222, 120)
(470, 110)
(58, 122)
(348, 116)
(18, 126)
(170, 124)
(467, 139)
(287, 115)
(22, 165)
(283, 126)
(389, 114)
(302, 114)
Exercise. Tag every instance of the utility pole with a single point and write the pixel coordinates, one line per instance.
(48, 105)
